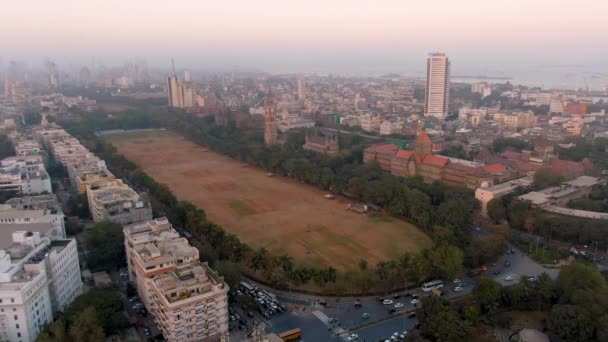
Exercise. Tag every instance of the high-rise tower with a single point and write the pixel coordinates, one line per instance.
(301, 89)
(172, 88)
(437, 85)
(270, 120)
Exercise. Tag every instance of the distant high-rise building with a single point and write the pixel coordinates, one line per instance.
(172, 88)
(301, 89)
(85, 76)
(270, 120)
(437, 85)
(180, 94)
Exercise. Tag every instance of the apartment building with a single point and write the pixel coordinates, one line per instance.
(24, 174)
(573, 127)
(437, 91)
(390, 127)
(474, 116)
(64, 148)
(38, 277)
(88, 165)
(91, 175)
(186, 297)
(19, 216)
(27, 147)
(489, 191)
(371, 123)
(49, 202)
(516, 119)
(114, 201)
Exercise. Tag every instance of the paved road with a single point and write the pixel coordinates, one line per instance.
(521, 265)
(315, 329)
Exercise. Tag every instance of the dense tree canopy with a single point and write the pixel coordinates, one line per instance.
(105, 242)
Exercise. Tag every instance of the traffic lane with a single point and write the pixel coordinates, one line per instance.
(351, 317)
(312, 328)
(520, 265)
(385, 329)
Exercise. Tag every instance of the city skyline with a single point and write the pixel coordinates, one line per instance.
(316, 36)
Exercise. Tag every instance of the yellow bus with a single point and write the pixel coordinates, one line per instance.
(291, 335)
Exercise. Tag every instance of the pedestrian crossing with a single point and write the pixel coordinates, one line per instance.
(321, 316)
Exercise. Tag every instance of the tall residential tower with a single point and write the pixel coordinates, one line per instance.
(270, 120)
(437, 85)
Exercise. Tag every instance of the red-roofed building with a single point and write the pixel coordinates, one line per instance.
(422, 162)
(494, 168)
(382, 153)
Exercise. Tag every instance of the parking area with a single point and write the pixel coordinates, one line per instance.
(137, 313)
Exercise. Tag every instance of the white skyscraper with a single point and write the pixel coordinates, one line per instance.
(301, 89)
(437, 85)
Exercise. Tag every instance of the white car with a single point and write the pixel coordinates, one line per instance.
(353, 337)
(398, 305)
(458, 288)
(415, 301)
(509, 278)
(387, 302)
(457, 281)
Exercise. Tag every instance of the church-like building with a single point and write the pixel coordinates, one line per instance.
(327, 145)
(422, 162)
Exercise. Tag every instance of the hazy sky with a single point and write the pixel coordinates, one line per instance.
(311, 35)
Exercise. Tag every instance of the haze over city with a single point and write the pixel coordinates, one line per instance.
(484, 37)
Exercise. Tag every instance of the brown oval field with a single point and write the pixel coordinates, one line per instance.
(272, 212)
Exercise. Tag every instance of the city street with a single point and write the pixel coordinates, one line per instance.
(313, 320)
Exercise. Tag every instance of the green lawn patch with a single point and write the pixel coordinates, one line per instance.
(240, 207)
(380, 218)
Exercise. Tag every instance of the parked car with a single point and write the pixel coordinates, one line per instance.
(387, 302)
(365, 315)
(398, 305)
(458, 288)
(415, 301)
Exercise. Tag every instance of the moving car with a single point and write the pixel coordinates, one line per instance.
(398, 305)
(365, 315)
(458, 288)
(415, 301)
(509, 278)
(387, 302)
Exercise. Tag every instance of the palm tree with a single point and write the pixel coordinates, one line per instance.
(404, 263)
(259, 260)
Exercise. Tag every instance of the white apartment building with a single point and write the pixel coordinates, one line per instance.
(27, 147)
(481, 88)
(40, 202)
(370, 123)
(18, 216)
(62, 146)
(83, 166)
(187, 298)
(474, 116)
(516, 119)
(24, 174)
(114, 201)
(390, 127)
(437, 85)
(488, 192)
(38, 277)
